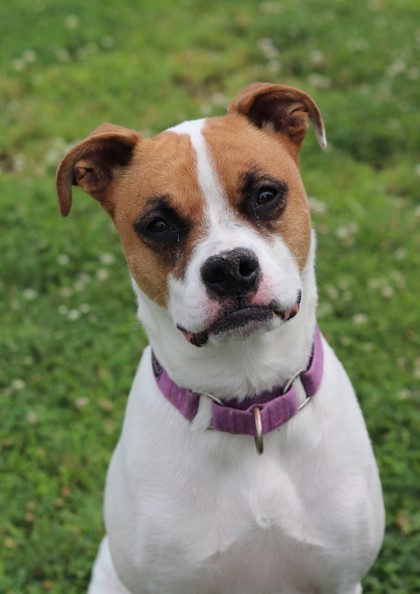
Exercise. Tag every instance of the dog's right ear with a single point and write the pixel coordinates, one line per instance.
(95, 163)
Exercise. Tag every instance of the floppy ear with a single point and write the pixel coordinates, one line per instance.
(281, 108)
(94, 163)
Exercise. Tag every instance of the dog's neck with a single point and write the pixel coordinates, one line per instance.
(236, 368)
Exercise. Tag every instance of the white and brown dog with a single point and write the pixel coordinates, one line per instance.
(215, 226)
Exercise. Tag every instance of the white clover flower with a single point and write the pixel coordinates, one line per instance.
(66, 292)
(271, 7)
(18, 64)
(274, 66)
(316, 57)
(324, 309)
(346, 232)
(32, 418)
(205, 109)
(332, 292)
(344, 283)
(83, 280)
(404, 394)
(374, 283)
(82, 402)
(395, 68)
(413, 73)
(73, 315)
(357, 44)
(368, 347)
(29, 294)
(266, 45)
(71, 21)
(19, 162)
(359, 319)
(107, 258)
(317, 206)
(29, 56)
(63, 259)
(219, 99)
(388, 292)
(102, 274)
(319, 81)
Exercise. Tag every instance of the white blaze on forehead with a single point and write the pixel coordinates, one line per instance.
(189, 304)
(216, 203)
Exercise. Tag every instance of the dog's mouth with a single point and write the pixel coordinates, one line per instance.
(242, 322)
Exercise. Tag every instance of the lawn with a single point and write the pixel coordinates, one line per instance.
(69, 342)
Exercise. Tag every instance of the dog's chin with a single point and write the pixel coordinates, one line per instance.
(243, 330)
(240, 324)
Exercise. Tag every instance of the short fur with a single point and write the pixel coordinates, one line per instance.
(194, 511)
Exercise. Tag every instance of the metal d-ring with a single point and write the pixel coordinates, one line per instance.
(291, 380)
(259, 442)
(211, 397)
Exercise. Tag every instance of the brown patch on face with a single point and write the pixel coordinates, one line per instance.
(162, 170)
(238, 148)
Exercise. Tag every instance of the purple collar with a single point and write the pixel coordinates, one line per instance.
(254, 416)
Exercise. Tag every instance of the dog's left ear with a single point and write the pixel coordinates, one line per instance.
(280, 108)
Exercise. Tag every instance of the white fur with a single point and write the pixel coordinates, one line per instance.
(199, 512)
(189, 305)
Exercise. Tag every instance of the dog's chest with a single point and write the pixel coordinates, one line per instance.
(190, 512)
(227, 530)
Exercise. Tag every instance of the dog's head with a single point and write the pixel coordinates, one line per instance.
(212, 214)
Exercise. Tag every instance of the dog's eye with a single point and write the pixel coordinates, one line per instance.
(161, 231)
(264, 198)
(266, 195)
(158, 225)
(270, 200)
(161, 227)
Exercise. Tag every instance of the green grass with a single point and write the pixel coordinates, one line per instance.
(69, 341)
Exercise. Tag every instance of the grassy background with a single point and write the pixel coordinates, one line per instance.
(69, 342)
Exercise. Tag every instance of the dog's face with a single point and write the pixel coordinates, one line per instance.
(212, 214)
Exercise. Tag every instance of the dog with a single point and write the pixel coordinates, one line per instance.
(244, 465)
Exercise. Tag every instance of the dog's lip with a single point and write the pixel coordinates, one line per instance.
(231, 320)
(240, 317)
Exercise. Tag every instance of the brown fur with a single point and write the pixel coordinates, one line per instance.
(164, 165)
(285, 109)
(263, 129)
(238, 147)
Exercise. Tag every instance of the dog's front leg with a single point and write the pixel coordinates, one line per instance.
(104, 577)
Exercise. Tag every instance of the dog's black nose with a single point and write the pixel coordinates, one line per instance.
(231, 273)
